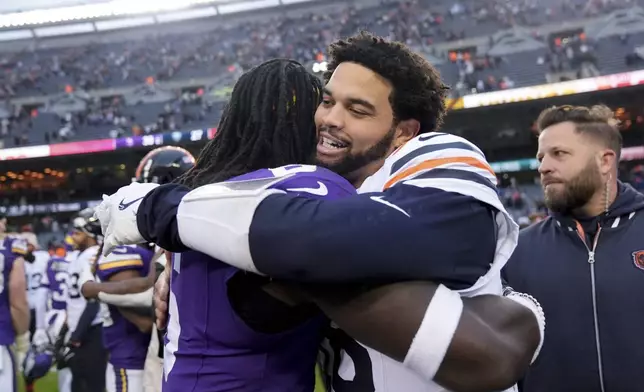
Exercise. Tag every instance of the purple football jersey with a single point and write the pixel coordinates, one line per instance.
(56, 282)
(126, 344)
(208, 347)
(10, 249)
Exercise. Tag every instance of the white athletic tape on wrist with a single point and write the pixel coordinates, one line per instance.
(435, 334)
(531, 303)
(142, 299)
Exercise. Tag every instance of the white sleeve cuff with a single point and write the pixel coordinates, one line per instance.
(143, 299)
(215, 220)
(435, 334)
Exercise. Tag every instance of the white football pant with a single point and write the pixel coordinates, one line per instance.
(64, 380)
(123, 380)
(8, 370)
(153, 373)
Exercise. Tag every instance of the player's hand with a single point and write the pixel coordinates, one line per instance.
(40, 338)
(117, 214)
(161, 297)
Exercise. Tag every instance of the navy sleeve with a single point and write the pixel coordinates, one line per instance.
(156, 216)
(85, 321)
(405, 233)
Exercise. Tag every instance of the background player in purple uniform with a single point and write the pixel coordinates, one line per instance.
(126, 333)
(14, 307)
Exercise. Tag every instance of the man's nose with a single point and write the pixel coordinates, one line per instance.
(334, 117)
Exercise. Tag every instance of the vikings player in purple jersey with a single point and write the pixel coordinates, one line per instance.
(231, 331)
(254, 342)
(160, 166)
(126, 334)
(14, 307)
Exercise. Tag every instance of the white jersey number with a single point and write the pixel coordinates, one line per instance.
(292, 169)
(60, 295)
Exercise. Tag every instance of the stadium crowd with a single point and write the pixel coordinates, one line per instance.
(412, 180)
(169, 57)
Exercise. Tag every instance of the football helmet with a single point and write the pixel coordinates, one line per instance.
(163, 165)
(37, 363)
(88, 224)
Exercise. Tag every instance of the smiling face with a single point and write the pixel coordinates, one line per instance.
(570, 167)
(355, 123)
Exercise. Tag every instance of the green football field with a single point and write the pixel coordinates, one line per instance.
(48, 384)
(45, 384)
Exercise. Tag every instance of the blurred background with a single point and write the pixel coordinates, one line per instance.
(88, 87)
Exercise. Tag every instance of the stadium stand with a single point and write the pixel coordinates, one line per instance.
(165, 79)
(114, 84)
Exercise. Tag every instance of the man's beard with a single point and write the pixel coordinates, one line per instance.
(576, 192)
(354, 162)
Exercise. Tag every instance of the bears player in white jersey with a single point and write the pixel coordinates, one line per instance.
(424, 190)
(84, 319)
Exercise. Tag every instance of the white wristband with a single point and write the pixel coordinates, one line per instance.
(435, 334)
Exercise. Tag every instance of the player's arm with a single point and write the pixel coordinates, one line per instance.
(480, 344)
(404, 233)
(123, 268)
(18, 297)
(135, 293)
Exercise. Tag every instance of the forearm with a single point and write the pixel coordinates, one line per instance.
(490, 349)
(131, 286)
(142, 299)
(20, 317)
(353, 239)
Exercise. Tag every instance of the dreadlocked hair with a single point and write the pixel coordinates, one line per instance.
(268, 122)
(418, 91)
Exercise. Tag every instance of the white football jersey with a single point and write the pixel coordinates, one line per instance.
(463, 169)
(35, 272)
(75, 301)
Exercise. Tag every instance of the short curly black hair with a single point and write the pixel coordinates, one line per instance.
(418, 91)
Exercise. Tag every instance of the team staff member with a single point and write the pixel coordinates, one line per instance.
(585, 262)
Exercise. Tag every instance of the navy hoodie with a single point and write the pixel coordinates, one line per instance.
(593, 302)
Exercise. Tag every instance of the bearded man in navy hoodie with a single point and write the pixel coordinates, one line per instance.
(585, 262)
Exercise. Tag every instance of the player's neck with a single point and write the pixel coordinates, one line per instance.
(359, 176)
